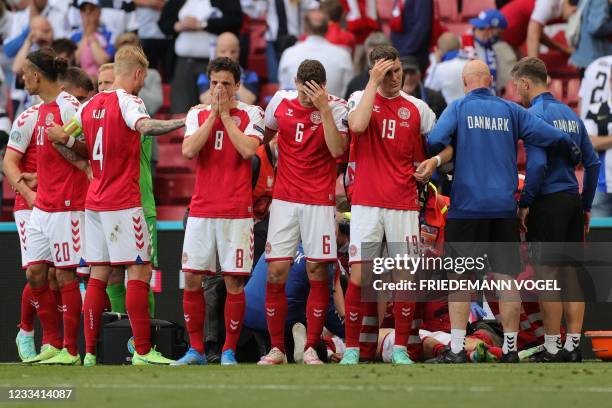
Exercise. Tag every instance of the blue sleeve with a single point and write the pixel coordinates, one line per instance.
(110, 50)
(442, 133)
(251, 82)
(590, 162)
(203, 83)
(417, 28)
(536, 169)
(598, 21)
(11, 47)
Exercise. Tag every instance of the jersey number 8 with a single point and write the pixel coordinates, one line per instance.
(219, 140)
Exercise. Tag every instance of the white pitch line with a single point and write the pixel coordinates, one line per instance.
(328, 387)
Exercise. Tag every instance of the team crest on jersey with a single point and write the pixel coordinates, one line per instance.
(403, 113)
(49, 119)
(315, 117)
(16, 136)
(237, 120)
(352, 250)
(268, 248)
(185, 258)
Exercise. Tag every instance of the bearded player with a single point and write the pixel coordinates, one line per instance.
(387, 128)
(311, 128)
(222, 137)
(54, 233)
(112, 122)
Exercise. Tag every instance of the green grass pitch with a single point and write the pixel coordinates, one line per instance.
(291, 386)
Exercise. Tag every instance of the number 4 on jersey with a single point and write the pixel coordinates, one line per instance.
(98, 154)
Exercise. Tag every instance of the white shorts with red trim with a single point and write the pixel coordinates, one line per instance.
(56, 238)
(230, 238)
(440, 336)
(22, 219)
(370, 224)
(314, 224)
(118, 237)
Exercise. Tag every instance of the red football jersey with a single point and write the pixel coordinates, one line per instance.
(21, 141)
(109, 122)
(223, 177)
(61, 186)
(306, 170)
(386, 153)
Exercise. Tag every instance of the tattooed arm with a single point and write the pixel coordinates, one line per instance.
(156, 127)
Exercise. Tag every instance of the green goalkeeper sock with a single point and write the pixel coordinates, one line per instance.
(116, 294)
(151, 304)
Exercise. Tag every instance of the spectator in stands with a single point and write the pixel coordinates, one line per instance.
(360, 81)
(335, 33)
(285, 25)
(361, 18)
(117, 17)
(547, 12)
(153, 40)
(593, 86)
(198, 24)
(417, 20)
(66, 49)
(336, 60)
(41, 35)
(94, 46)
(151, 93)
(485, 45)
(78, 84)
(228, 46)
(20, 23)
(445, 74)
(598, 123)
(414, 86)
(595, 32)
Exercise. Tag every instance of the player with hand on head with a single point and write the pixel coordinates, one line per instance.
(223, 137)
(387, 127)
(112, 122)
(311, 126)
(54, 233)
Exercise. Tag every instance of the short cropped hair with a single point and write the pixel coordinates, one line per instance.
(532, 68)
(106, 67)
(78, 78)
(311, 70)
(224, 64)
(129, 58)
(383, 52)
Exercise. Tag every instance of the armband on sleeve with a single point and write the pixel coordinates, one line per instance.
(73, 128)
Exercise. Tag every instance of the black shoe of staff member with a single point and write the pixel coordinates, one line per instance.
(545, 356)
(510, 357)
(448, 357)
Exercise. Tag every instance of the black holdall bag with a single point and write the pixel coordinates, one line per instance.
(167, 337)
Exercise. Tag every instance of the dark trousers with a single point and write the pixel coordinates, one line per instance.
(185, 93)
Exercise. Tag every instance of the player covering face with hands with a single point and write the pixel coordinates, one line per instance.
(311, 127)
(222, 137)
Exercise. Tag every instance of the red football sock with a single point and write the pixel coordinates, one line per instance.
(234, 316)
(194, 308)
(72, 305)
(437, 349)
(352, 321)
(92, 312)
(276, 313)
(496, 351)
(28, 312)
(47, 314)
(316, 312)
(137, 305)
(403, 312)
(57, 294)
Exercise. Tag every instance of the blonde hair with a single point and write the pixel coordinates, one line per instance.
(129, 58)
(127, 39)
(106, 67)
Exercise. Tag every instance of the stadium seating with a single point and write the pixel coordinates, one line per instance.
(170, 212)
(171, 159)
(449, 10)
(266, 93)
(556, 88)
(384, 8)
(471, 8)
(174, 189)
(573, 86)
